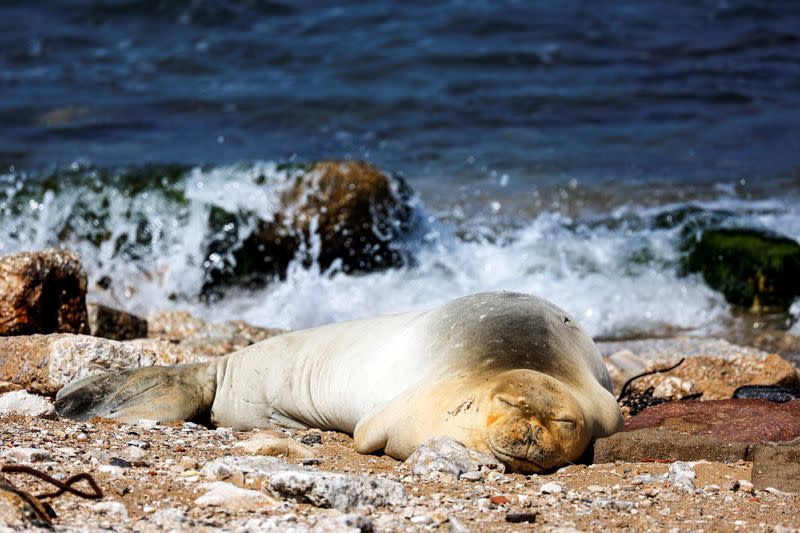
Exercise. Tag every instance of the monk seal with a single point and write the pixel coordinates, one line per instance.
(505, 373)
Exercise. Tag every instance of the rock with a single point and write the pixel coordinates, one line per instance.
(275, 443)
(169, 518)
(42, 292)
(446, 459)
(248, 466)
(551, 487)
(681, 475)
(724, 430)
(20, 511)
(457, 526)
(752, 268)
(203, 338)
(335, 490)
(228, 496)
(743, 485)
(22, 403)
(713, 367)
(521, 518)
(323, 489)
(333, 210)
(111, 508)
(45, 363)
(346, 523)
(666, 445)
(777, 466)
(730, 420)
(114, 324)
(27, 455)
(716, 378)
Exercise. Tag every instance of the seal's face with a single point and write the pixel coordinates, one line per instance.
(533, 422)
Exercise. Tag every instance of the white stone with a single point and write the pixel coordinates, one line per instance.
(339, 491)
(551, 487)
(21, 402)
(681, 475)
(743, 485)
(111, 508)
(274, 443)
(446, 459)
(27, 455)
(167, 518)
(229, 496)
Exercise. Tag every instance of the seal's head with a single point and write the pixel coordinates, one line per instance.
(533, 421)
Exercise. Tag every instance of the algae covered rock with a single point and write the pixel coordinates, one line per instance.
(344, 211)
(752, 268)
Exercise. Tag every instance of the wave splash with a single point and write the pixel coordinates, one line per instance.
(144, 237)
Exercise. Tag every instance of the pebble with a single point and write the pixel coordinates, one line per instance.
(229, 496)
(113, 470)
(681, 475)
(457, 526)
(551, 487)
(352, 522)
(111, 508)
(27, 455)
(422, 519)
(169, 517)
(274, 443)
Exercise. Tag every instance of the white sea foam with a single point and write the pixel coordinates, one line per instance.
(585, 274)
(617, 274)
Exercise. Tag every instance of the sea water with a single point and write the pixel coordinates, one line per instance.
(566, 149)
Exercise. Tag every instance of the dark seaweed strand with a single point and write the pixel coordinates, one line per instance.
(624, 390)
(63, 486)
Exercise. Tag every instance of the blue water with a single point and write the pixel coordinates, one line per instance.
(529, 124)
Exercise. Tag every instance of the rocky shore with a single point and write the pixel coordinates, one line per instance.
(690, 456)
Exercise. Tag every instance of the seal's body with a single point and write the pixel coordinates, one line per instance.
(505, 373)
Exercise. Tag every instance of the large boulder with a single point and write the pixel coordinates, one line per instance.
(42, 292)
(44, 363)
(333, 210)
(752, 268)
(745, 420)
(723, 430)
(777, 466)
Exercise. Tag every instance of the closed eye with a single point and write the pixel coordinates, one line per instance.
(566, 423)
(509, 401)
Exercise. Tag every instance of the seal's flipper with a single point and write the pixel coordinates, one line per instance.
(370, 435)
(157, 393)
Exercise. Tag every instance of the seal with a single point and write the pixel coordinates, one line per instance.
(506, 373)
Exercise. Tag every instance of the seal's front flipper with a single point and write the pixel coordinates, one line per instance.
(157, 393)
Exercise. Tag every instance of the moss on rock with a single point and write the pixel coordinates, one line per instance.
(752, 268)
